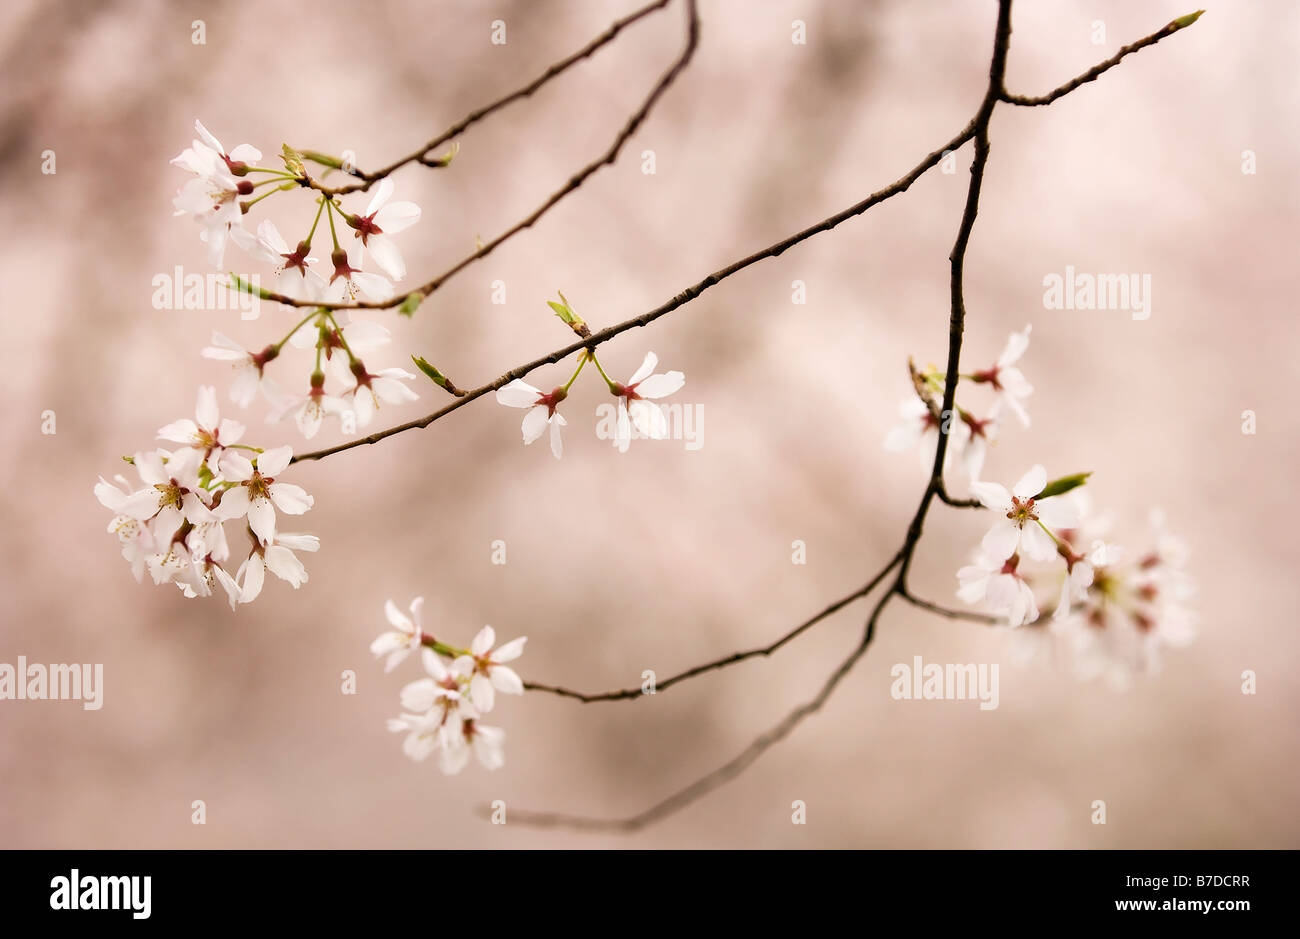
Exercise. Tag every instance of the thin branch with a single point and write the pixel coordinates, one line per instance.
(899, 186)
(957, 265)
(722, 774)
(1099, 69)
(949, 613)
(977, 130)
(633, 693)
(421, 155)
(946, 499)
(686, 296)
(575, 181)
(738, 764)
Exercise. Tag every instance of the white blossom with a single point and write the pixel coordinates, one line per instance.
(406, 636)
(382, 219)
(541, 414)
(1024, 522)
(209, 437)
(634, 408)
(998, 584)
(487, 669)
(258, 494)
(1007, 380)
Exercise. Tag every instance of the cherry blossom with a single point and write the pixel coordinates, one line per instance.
(209, 437)
(361, 336)
(173, 528)
(1006, 379)
(258, 494)
(442, 687)
(368, 388)
(307, 410)
(205, 154)
(542, 411)
(167, 499)
(405, 637)
(382, 219)
(248, 366)
(1000, 586)
(294, 275)
(442, 710)
(487, 669)
(349, 280)
(486, 743)
(425, 733)
(437, 713)
(133, 535)
(278, 558)
(1026, 522)
(635, 409)
(213, 201)
(968, 436)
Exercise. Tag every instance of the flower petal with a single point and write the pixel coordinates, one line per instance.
(1032, 483)
(1002, 539)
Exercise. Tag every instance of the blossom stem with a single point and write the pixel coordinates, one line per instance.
(338, 330)
(582, 360)
(1058, 541)
(279, 181)
(269, 169)
(301, 323)
(283, 187)
(320, 206)
(333, 234)
(609, 381)
(443, 649)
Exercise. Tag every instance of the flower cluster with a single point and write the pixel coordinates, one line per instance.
(1043, 551)
(1130, 608)
(636, 407)
(223, 190)
(1112, 615)
(969, 436)
(442, 712)
(173, 526)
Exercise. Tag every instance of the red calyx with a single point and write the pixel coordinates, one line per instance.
(341, 266)
(298, 258)
(365, 226)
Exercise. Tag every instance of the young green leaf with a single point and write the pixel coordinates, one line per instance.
(1058, 486)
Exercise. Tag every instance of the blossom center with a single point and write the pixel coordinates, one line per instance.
(365, 226)
(1022, 511)
(990, 376)
(259, 485)
(170, 493)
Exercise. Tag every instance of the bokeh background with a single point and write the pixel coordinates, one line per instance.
(662, 557)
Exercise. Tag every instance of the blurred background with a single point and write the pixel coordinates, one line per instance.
(662, 557)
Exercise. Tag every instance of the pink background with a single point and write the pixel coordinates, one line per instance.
(661, 558)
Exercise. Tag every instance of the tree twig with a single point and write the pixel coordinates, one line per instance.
(935, 608)
(624, 694)
(979, 125)
(574, 182)
(977, 130)
(686, 296)
(1101, 67)
(455, 130)
(723, 774)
